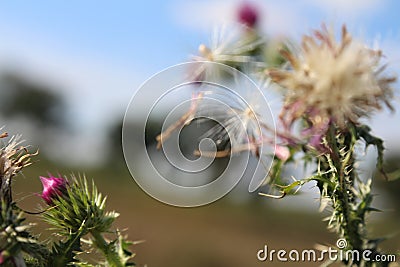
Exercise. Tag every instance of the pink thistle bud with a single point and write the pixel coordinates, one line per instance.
(282, 152)
(248, 15)
(2, 260)
(52, 187)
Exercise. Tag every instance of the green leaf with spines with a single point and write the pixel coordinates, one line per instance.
(364, 132)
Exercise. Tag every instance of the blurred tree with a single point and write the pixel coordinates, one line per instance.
(114, 138)
(114, 142)
(21, 97)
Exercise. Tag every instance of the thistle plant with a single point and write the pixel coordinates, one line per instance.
(74, 209)
(77, 210)
(15, 238)
(330, 87)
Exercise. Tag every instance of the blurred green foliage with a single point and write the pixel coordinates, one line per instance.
(39, 103)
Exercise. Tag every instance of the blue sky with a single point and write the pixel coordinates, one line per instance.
(97, 53)
(151, 35)
(141, 34)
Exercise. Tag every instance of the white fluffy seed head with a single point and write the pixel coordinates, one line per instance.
(341, 80)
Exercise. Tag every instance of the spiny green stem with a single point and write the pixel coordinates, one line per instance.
(111, 256)
(64, 253)
(351, 224)
(347, 194)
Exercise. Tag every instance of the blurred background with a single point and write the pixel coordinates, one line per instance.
(68, 70)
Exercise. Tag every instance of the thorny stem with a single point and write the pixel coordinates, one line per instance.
(344, 201)
(111, 256)
(66, 256)
(345, 198)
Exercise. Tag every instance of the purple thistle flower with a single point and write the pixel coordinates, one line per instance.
(248, 15)
(52, 187)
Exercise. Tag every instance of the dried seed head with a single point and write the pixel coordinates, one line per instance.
(340, 81)
(13, 158)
